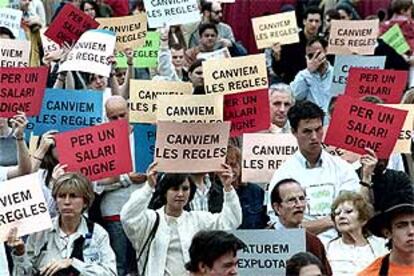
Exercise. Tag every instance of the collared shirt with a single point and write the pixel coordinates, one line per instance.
(314, 87)
(200, 200)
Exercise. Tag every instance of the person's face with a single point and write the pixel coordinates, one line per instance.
(236, 169)
(347, 218)
(70, 204)
(327, 23)
(208, 38)
(279, 106)
(309, 135)
(312, 23)
(343, 15)
(402, 233)
(24, 4)
(117, 111)
(177, 57)
(89, 10)
(315, 48)
(225, 265)
(196, 76)
(120, 76)
(216, 14)
(310, 270)
(293, 204)
(177, 197)
(99, 82)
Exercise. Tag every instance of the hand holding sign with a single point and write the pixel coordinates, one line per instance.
(368, 162)
(17, 244)
(152, 174)
(19, 123)
(226, 176)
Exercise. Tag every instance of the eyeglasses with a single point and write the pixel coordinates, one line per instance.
(293, 200)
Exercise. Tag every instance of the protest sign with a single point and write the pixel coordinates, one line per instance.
(403, 144)
(395, 38)
(344, 63)
(130, 30)
(170, 13)
(191, 147)
(277, 28)
(346, 155)
(22, 89)
(91, 53)
(190, 108)
(143, 97)
(4, 3)
(220, 53)
(49, 46)
(356, 125)
(232, 75)
(69, 25)
(264, 153)
(145, 56)
(23, 205)
(267, 251)
(14, 53)
(247, 111)
(349, 37)
(98, 151)
(144, 138)
(11, 19)
(64, 110)
(389, 85)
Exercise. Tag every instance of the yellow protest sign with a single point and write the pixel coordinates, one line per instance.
(281, 28)
(190, 108)
(143, 97)
(232, 75)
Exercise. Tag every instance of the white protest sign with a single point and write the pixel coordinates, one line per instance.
(190, 108)
(344, 63)
(268, 250)
(11, 19)
(14, 53)
(221, 53)
(274, 28)
(161, 12)
(49, 46)
(91, 53)
(23, 205)
(264, 153)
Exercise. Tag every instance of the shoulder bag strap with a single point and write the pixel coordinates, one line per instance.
(148, 242)
(385, 264)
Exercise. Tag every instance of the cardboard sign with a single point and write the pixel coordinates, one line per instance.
(356, 125)
(64, 110)
(389, 85)
(14, 53)
(248, 111)
(49, 46)
(264, 153)
(403, 144)
(190, 108)
(22, 89)
(143, 97)
(4, 3)
(221, 53)
(344, 63)
(144, 137)
(23, 205)
(145, 56)
(267, 251)
(349, 37)
(191, 147)
(395, 38)
(270, 29)
(91, 53)
(130, 30)
(234, 75)
(11, 19)
(170, 13)
(97, 152)
(69, 25)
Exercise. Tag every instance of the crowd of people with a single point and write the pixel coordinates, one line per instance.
(182, 223)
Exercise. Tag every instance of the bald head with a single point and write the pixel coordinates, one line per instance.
(116, 107)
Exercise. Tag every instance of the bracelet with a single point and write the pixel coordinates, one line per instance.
(365, 184)
(19, 138)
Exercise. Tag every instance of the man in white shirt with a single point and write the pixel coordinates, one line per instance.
(322, 176)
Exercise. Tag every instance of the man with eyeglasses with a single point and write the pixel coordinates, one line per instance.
(289, 203)
(213, 13)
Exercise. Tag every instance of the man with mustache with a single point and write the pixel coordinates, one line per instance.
(289, 202)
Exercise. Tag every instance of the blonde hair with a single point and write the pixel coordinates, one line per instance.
(408, 97)
(74, 183)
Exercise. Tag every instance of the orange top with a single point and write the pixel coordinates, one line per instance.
(394, 269)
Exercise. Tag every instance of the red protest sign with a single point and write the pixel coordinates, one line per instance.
(388, 85)
(247, 111)
(22, 89)
(97, 152)
(356, 125)
(69, 25)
